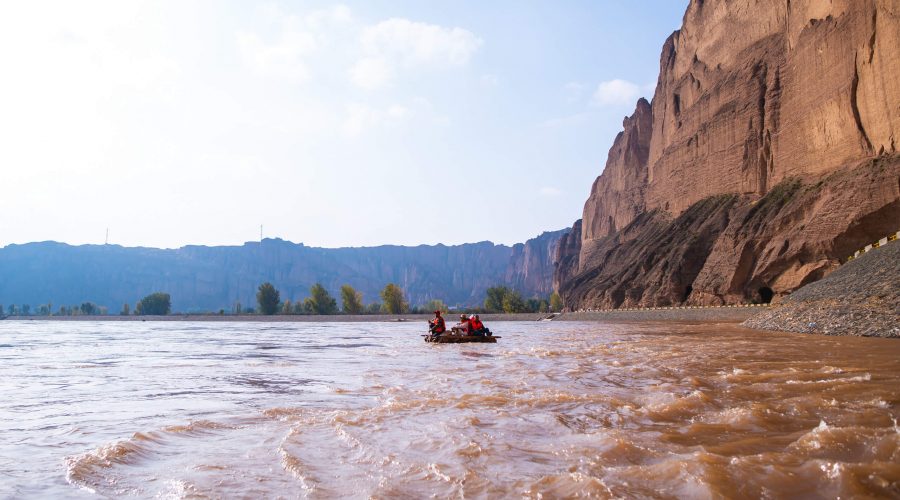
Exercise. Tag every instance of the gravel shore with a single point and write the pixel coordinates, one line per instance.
(861, 298)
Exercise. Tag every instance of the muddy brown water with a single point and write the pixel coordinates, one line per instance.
(656, 410)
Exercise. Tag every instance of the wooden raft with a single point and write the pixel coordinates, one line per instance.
(460, 339)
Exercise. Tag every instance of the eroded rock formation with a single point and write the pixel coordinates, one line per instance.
(531, 264)
(780, 105)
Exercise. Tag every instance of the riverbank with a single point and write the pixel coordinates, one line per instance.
(860, 298)
(290, 318)
(722, 314)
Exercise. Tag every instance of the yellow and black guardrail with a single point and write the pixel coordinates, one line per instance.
(880, 243)
(669, 308)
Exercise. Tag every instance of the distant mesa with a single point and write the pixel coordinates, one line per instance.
(201, 278)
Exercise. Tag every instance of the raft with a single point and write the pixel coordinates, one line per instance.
(461, 339)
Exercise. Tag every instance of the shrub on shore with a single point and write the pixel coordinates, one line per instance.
(268, 298)
(320, 301)
(351, 300)
(155, 304)
(393, 299)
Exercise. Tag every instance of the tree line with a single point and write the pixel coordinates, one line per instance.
(498, 299)
(83, 309)
(156, 304)
(268, 301)
(506, 300)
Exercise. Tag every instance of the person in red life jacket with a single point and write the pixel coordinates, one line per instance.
(436, 326)
(476, 327)
(470, 325)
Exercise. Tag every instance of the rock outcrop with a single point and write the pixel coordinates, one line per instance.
(531, 264)
(568, 252)
(733, 248)
(203, 278)
(783, 106)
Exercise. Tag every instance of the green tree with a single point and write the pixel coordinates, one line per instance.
(513, 303)
(268, 298)
(373, 308)
(155, 304)
(237, 309)
(1, 309)
(126, 310)
(544, 307)
(12, 310)
(88, 308)
(26, 309)
(287, 307)
(320, 301)
(351, 300)
(493, 301)
(393, 300)
(435, 305)
(556, 303)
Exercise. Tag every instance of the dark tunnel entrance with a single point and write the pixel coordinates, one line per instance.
(766, 294)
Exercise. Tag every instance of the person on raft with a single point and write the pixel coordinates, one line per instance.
(461, 328)
(476, 327)
(436, 326)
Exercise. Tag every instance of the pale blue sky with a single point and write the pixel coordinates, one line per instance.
(333, 124)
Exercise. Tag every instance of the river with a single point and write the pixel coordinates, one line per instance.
(555, 409)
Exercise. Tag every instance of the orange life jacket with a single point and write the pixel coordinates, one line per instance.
(439, 326)
(477, 325)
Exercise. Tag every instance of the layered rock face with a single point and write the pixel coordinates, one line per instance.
(755, 99)
(532, 263)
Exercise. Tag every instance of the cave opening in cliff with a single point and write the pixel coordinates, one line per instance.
(766, 294)
(687, 293)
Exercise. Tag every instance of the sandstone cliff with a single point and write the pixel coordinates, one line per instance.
(780, 105)
(531, 264)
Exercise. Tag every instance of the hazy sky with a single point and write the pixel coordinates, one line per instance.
(352, 124)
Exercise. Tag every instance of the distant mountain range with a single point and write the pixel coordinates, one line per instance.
(201, 278)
